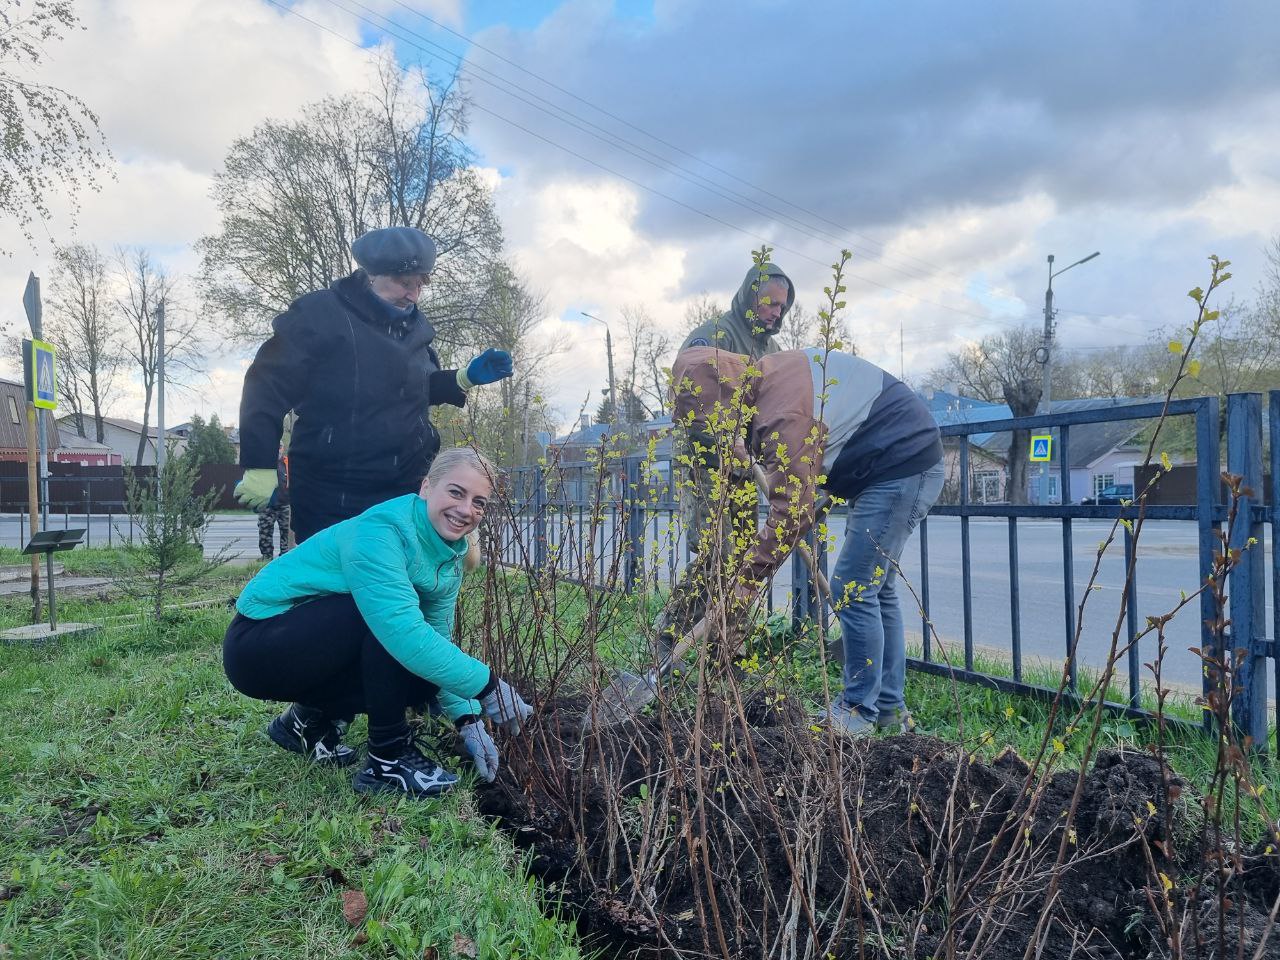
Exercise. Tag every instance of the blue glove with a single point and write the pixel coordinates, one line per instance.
(480, 747)
(490, 366)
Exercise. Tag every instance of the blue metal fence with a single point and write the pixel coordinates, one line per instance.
(593, 522)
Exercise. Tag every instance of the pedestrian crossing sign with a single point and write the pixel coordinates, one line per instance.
(39, 367)
(1041, 445)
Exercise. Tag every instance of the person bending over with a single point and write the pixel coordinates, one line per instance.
(811, 418)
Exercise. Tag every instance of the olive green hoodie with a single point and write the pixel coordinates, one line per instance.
(737, 332)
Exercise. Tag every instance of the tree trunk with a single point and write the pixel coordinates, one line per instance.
(1022, 400)
(146, 417)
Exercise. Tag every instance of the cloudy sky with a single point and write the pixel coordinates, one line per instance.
(642, 149)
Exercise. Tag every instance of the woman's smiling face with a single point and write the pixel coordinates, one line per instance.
(456, 501)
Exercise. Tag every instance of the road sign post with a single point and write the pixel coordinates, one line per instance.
(1042, 452)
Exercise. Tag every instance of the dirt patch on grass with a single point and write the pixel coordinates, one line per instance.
(706, 836)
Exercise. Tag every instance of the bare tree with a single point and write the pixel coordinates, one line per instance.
(1113, 372)
(699, 311)
(503, 418)
(647, 369)
(295, 193)
(86, 330)
(51, 138)
(1000, 368)
(144, 285)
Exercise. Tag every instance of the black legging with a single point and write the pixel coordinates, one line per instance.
(322, 654)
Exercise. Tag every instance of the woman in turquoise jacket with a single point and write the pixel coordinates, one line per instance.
(359, 619)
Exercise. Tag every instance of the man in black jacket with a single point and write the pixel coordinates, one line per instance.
(355, 363)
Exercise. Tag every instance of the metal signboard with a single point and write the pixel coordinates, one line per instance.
(40, 367)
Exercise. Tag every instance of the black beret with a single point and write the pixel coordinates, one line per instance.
(394, 250)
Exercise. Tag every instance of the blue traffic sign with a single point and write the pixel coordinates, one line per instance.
(43, 376)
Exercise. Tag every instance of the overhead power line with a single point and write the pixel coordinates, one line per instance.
(844, 230)
(629, 179)
(630, 147)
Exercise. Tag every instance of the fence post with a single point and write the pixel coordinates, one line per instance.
(1274, 430)
(1208, 488)
(802, 600)
(1247, 595)
(633, 559)
(539, 519)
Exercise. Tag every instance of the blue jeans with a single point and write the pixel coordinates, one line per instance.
(864, 586)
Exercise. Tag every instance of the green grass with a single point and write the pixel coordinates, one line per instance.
(147, 816)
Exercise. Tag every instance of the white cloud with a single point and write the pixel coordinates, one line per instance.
(968, 161)
(174, 82)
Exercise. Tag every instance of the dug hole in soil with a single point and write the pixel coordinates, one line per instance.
(737, 841)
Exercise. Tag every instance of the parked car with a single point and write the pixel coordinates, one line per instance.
(1110, 496)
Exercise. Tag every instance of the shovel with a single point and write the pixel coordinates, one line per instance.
(629, 693)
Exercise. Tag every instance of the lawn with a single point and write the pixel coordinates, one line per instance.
(147, 815)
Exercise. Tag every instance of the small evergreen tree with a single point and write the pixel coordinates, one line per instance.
(172, 519)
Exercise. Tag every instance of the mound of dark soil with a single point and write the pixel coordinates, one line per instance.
(679, 837)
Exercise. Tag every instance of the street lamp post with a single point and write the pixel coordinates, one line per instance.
(1044, 356)
(619, 414)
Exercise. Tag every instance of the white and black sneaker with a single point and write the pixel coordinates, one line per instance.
(412, 772)
(309, 732)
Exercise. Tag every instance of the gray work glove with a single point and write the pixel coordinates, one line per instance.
(506, 708)
(480, 746)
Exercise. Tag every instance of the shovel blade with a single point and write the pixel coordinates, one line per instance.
(626, 696)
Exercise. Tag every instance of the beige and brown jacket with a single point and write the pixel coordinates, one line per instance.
(812, 418)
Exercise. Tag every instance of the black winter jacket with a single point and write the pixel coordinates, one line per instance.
(360, 382)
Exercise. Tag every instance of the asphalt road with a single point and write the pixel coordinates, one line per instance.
(1167, 565)
(238, 532)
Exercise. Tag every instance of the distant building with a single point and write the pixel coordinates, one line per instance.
(1102, 454)
(13, 423)
(121, 437)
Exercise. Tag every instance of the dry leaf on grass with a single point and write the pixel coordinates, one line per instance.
(354, 906)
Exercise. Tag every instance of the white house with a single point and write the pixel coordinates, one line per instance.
(122, 435)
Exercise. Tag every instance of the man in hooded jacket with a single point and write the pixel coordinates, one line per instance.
(356, 364)
(714, 523)
(753, 319)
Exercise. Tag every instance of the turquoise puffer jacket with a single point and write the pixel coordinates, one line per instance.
(404, 579)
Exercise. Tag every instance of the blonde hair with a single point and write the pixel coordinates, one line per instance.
(448, 460)
(471, 559)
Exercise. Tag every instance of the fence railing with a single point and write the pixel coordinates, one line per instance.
(618, 523)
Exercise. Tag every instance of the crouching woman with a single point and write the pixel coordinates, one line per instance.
(359, 619)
